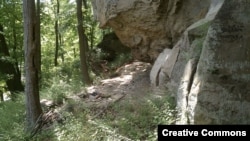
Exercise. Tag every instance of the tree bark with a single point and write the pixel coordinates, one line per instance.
(14, 83)
(57, 32)
(38, 40)
(61, 49)
(32, 100)
(83, 44)
(1, 95)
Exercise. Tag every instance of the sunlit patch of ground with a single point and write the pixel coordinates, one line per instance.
(133, 80)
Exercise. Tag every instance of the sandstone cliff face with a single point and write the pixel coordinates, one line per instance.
(220, 92)
(149, 26)
(203, 52)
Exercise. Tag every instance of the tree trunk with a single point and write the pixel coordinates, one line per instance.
(57, 32)
(14, 83)
(1, 95)
(83, 43)
(32, 100)
(92, 37)
(15, 52)
(61, 49)
(38, 40)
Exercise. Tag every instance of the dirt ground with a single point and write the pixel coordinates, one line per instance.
(132, 83)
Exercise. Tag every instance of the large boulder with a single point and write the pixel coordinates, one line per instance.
(211, 76)
(149, 26)
(220, 92)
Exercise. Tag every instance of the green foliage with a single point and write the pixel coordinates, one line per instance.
(122, 121)
(11, 53)
(11, 18)
(12, 120)
(120, 60)
(3, 78)
(127, 120)
(58, 88)
(69, 62)
(73, 129)
(139, 120)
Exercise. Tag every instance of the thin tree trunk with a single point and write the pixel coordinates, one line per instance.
(83, 43)
(61, 49)
(57, 33)
(1, 95)
(32, 100)
(74, 50)
(15, 50)
(91, 37)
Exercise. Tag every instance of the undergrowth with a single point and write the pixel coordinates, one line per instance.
(139, 120)
(12, 118)
(125, 120)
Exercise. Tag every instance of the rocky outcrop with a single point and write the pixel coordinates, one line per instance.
(202, 48)
(211, 76)
(220, 92)
(149, 26)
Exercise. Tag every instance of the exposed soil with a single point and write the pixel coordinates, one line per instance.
(132, 82)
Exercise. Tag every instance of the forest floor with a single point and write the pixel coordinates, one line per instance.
(125, 105)
(130, 84)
